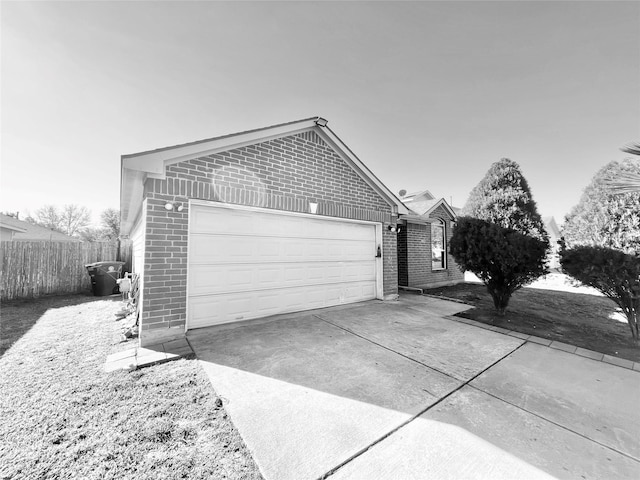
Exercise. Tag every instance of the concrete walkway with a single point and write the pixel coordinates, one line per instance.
(138, 357)
(399, 390)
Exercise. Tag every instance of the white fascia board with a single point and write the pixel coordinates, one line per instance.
(131, 196)
(12, 228)
(443, 202)
(425, 218)
(154, 162)
(360, 168)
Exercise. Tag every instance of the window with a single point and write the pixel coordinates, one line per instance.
(438, 246)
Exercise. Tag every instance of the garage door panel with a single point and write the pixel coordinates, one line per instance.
(204, 311)
(229, 278)
(298, 273)
(221, 220)
(247, 264)
(354, 271)
(233, 249)
(218, 220)
(215, 309)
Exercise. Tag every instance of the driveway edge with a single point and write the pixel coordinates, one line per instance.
(565, 347)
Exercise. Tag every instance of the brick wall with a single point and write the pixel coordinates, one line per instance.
(284, 174)
(390, 261)
(297, 167)
(417, 271)
(403, 267)
(440, 212)
(418, 253)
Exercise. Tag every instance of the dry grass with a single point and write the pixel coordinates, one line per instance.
(580, 319)
(63, 417)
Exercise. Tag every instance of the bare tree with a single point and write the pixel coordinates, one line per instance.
(70, 219)
(74, 218)
(48, 216)
(92, 234)
(111, 223)
(109, 228)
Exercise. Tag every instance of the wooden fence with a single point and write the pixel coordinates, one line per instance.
(32, 269)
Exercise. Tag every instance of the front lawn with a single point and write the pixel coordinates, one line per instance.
(562, 314)
(64, 417)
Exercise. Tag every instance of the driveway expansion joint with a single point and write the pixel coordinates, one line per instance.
(389, 349)
(555, 423)
(419, 414)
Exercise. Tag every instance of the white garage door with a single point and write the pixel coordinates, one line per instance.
(247, 264)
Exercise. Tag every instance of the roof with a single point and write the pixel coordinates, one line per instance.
(222, 137)
(417, 195)
(137, 167)
(421, 206)
(424, 208)
(25, 231)
(9, 226)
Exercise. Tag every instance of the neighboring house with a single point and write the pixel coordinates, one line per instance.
(8, 229)
(27, 232)
(423, 258)
(553, 257)
(280, 219)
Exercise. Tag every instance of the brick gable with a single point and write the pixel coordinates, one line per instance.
(298, 166)
(441, 212)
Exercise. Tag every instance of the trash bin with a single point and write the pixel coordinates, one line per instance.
(103, 277)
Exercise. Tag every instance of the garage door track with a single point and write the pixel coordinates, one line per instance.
(402, 390)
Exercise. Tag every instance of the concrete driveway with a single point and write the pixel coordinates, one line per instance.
(399, 390)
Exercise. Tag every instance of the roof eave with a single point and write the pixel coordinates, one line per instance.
(135, 168)
(447, 207)
(364, 172)
(12, 227)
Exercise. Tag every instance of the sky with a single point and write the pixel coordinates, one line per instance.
(427, 94)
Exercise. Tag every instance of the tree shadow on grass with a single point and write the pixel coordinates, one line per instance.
(17, 317)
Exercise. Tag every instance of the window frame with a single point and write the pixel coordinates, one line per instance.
(443, 251)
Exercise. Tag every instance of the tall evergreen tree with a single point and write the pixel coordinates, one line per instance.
(500, 235)
(503, 197)
(606, 217)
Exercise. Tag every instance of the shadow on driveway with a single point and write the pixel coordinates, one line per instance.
(358, 390)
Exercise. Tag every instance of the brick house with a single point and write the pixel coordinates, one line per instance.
(280, 219)
(423, 237)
